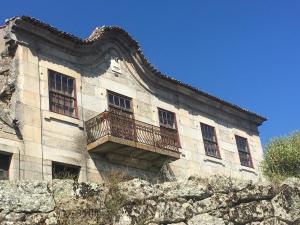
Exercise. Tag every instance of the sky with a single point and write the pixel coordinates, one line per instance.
(245, 52)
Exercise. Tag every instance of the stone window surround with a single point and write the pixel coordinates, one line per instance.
(14, 152)
(47, 114)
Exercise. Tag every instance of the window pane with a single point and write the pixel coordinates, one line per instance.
(4, 166)
(161, 120)
(119, 101)
(64, 85)
(61, 96)
(127, 104)
(57, 82)
(211, 149)
(111, 99)
(70, 87)
(208, 132)
(166, 118)
(122, 102)
(210, 140)
(51, 81)
(242, 144)
(244, 152)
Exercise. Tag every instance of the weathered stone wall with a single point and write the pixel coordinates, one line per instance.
(213, 201)
(10, 139)
(2, 43)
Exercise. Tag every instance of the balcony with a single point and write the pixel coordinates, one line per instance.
(124, 140)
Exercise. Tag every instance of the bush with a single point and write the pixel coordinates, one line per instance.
(282, 157)
(115, 199)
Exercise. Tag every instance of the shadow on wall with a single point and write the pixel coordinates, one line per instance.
(163, 174)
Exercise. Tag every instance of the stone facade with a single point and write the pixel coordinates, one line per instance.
(109, 60)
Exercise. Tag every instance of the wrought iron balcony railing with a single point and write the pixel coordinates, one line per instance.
(110, 123)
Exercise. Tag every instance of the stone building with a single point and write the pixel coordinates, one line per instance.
(73, 107)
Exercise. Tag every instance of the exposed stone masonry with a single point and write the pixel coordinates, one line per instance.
(218, 200)
(8, 83)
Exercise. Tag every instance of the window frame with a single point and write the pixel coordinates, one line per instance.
(123, 109)
(52, 91)
(174, 118)
(206, 140)
(163, 126)
(250, 163)
(5, 157)
(72, 169)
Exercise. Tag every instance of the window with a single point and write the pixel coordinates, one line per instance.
(4, 166)
(65, 171)
(168, 127)
(62, 94)
(167, 119)
(119, 101)
(244, 151)
(210, 141)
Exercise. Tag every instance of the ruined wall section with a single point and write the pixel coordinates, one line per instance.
(10, 138)
(8, 47)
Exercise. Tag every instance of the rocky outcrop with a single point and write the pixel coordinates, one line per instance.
(217, 200)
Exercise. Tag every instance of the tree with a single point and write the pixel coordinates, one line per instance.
(282, 157)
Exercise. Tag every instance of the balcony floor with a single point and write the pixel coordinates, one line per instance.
(132, 153)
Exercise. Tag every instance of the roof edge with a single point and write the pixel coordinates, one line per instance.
(99, 32)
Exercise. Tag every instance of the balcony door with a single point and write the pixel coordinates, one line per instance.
(121, 116)
(168, 128)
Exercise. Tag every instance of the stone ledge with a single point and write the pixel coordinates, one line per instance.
(248, 169)
(47, 115)
(213, 160)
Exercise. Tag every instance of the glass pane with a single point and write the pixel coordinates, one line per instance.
(64, 85)
(127, 102)
(161, 121)
(51, 81)
(58, 82)
(111, 99)
(70, 89)
(242, 144)
(116, 100)
(122, 102)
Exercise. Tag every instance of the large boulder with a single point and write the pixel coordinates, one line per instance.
(26, 197)
(189, 189)
(250, 212)
(287, 203)
(206, 219)
(172, 212)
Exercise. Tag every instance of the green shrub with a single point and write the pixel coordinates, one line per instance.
(282, 157)
(116, 199)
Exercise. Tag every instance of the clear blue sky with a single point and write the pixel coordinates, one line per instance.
(246, 52)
